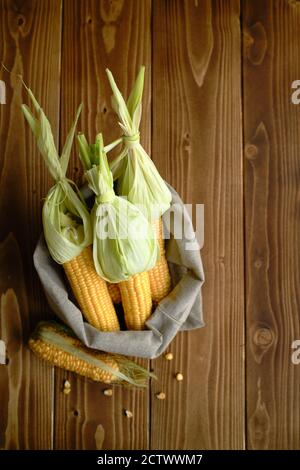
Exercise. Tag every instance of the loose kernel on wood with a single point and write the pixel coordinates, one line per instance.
(108, 392)
(169, 356)
(128, 414)
(179, 377)
(67, 384)
(161, 396)
(67, 387)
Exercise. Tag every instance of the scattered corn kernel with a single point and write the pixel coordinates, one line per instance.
(128, 414)
(108, 392)
(67, 387)
(161, 395)
(169, 356)
(67, 384)
(179, 377)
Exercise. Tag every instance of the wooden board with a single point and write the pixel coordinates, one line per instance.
(197, 146)
(26, 385)
(272, 180)
(99, 35)
(203, 92)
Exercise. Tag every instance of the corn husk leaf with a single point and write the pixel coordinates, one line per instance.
(124, 242)
(138, 178)
(66, 221)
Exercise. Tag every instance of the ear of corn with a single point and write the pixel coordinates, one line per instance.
(136, 300)
(159, 276)
(114, 292)
(66, 220)
(91, 292)
(58, 345)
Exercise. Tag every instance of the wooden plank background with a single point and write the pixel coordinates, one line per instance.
(272, 181)
(220, 125)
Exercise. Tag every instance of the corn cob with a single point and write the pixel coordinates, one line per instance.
(57, 344)
(159, 276)
(136, 300)
(114, 292)
(91, 292)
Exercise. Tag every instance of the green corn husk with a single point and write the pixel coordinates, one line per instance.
(124, 242)
(66, 220)
(57, 344)
(138, 178)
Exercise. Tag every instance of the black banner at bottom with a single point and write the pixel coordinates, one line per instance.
(132, 459)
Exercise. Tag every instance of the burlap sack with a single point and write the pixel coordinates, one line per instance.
(181, 310)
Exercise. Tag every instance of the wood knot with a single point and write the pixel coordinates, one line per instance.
(258, 263)
(99, 436)
(251, 151)
(259, 423)
(255, 43)
(263, 337)
(248, 40)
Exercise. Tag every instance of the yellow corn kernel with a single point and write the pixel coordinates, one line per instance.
(169, 356)
(114, 292)
(136, 300)
(91, 292)
(161, 396)
(159, 276)
(67, 385)
(179, 377)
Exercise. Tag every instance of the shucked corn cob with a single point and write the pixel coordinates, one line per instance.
(91, 292)
(57, 344)
(159, 276)
(136, 300)
(54, 345)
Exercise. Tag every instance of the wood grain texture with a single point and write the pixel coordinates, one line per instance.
(272, 180)
(194, 71)
(26, 32)
(114, 34)
(197, 146)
